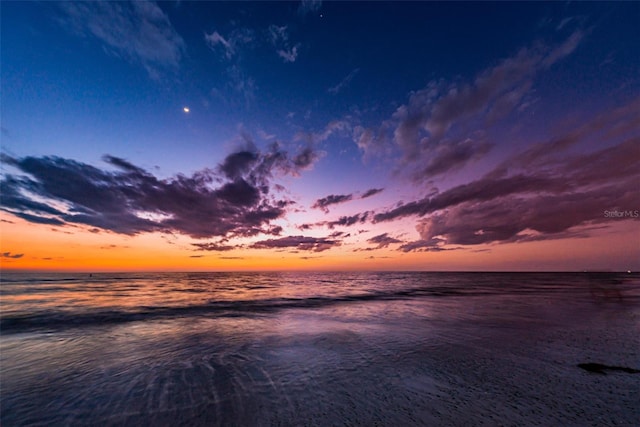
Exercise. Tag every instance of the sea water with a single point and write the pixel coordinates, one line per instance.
(304, 348)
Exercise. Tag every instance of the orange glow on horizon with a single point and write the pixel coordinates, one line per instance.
(47, 248)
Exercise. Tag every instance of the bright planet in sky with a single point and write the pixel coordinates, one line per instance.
(185, 109)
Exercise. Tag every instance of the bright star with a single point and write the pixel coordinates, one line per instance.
(185, 109)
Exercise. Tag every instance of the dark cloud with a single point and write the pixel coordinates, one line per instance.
(331, 199)
(303, 243)
(306, 158)
(431, 245)
(130, 200)
(383, 240)
(555, 189)
(196, 256)
(371, 192)
(483, 189)
(37, 219)
(239, 193)
(9, 255)
(237, 164)
(348, 220)
(212, 246)
(339, 234)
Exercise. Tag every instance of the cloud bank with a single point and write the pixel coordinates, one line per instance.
(555, 189)
(233, 200)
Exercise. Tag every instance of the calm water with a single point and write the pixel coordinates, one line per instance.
(318, 348)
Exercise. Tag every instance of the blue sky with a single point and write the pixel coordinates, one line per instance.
(415, 99)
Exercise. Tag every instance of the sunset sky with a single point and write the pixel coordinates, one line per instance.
(337, 136)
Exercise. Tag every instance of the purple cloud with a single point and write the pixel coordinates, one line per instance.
(303, 243)
(131, 200)
(546, 192)
(383, 240)
(348, 220)
(483, 189)
(371, 192)
(429, 245)
(332, 199)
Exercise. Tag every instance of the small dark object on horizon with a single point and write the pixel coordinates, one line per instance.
(598, 368)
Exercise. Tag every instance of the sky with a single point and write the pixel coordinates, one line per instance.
(313, 135)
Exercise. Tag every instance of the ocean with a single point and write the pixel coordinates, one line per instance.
(300, 348)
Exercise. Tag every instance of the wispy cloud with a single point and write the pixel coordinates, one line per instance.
(279, 38)
(289, 54)
(278, 34)
(231, 44)
(231, 50)
(334, 127)
(215, 39)
(343, 83)
(231, 200)
(138, 31)
(309, 6)
(437, 130)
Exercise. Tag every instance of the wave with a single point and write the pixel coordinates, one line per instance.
(63, 320)
(370, 291)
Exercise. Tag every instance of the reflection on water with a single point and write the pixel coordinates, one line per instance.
(270, 349)
(607, 287)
